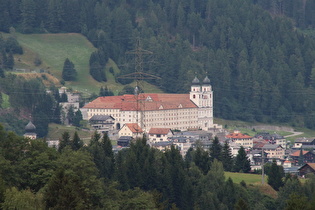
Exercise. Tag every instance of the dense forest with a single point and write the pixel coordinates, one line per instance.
(256, 52)
(34, 176)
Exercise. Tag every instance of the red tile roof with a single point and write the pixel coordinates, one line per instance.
(134, 127)
(238, 136)
(146, 101)
(297, 153)
(162, 131)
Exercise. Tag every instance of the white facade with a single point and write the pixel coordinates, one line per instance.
(175, 111)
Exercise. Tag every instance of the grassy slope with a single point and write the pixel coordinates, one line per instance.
(5, 103)
(253, 180)
(53, 49)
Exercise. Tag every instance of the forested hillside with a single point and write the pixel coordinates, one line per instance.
(260, 64)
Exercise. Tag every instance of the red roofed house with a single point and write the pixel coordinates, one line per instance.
(131, 129)
(308, 157)
(159, 134)
(241, 139)
(157, 110)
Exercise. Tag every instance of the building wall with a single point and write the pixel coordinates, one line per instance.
(246, 143)
(179, 118)
(277, 153)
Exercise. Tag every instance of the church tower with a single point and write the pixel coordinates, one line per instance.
(30, 130)
(195, 91)
(202, 96)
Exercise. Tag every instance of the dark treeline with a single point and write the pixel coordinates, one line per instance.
(34, 176)
(261, 67)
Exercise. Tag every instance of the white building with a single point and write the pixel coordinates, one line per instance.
(191, 111)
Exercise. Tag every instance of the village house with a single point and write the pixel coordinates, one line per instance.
(191, 111)
(307, 169)
(304, 143)
(131, 129)
(307, 156)
(272, 138)
(274, 151)
(102, 123)
(242, 139)
(124, 141)
(159, 134)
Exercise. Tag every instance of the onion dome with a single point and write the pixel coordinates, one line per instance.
(206, 81)
(30, 127)
(196, 81)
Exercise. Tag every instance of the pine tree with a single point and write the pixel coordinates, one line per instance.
(227, 158)
(77, 118)
(275, 176)
(65, 141)
(215, 149)
(28, 15)
(69, 73)
(109, 163)
(76, 142)
(242, 163)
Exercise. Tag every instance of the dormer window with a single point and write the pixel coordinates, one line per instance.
(148, 98)
(161, 107)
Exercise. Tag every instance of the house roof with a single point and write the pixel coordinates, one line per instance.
(101, 117)
(312, 165)
(134, 127)
(144, 101)
(297, 153)
(162, 131)
(238, 136)
(271, 146)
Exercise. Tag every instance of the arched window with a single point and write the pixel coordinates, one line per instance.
(194, 96)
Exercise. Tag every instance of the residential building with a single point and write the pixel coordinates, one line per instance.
(159, 134)
(304, 143)
(242, 139)
(307, 156)
(272, 138)
(308, 168)
(274, 151)
(102, 123)
(191, 111)
(124, 141)
(131, 129)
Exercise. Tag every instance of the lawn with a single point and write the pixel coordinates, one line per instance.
(248, 178)
(53, 49)
(55, 131)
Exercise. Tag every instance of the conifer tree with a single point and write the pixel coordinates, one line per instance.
(227, 158)
(69, 73)
(242, 162)
(215, 149)
(65, 141)
(76, 142)
(275, 177)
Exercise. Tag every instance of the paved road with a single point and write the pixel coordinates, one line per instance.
(294, 134)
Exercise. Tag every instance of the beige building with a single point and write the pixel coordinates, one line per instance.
(155, 110)
(274, 151)
(241, 139)
(130, 129)
(159, 134)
